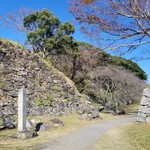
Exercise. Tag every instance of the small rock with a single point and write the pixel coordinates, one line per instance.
(142, 115)
(8, 122)
(140, 119)
(148, 119)
(80, 112)
(22, 73)
(9, 110)
(29, 124)
(27, 134)
(29, 91)
(84, 116)
(120, 112)
(146, 92)
(94, 115)
(86, 110)
(12, 94)
(57, 122)
(19, 79)
(43, 126)
(8, 88)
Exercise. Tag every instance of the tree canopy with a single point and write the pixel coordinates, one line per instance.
(46, 33)
(123, 24)
(129, 65)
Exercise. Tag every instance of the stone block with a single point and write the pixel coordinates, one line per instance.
(141, 109)
(142, 115)
(145, 101)
(144, 109)
(148, 119)
(140, 119)
(94, 115)
(57, 122)
(146, 92)
(9, 110)
(8, 122)
(44, 126)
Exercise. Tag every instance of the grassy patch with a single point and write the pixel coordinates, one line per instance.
(139, 136)
(1, 85)
(7, 140)
(114, 139)
(6, 43)
(132, 108)
(128, 137)
(148, 85)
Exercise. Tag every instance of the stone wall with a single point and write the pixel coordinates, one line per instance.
(144, 109)
(49, 92)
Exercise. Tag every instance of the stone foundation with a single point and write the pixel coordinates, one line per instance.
(144, 109)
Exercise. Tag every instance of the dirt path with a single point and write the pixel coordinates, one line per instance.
(85, 138)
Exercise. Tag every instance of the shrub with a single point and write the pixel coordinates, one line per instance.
(48, 101)
(39, 102)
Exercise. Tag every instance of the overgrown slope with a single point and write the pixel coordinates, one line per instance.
(49, 92)
(109, 80)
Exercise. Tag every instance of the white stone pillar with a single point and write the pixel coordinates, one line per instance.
(21, 110)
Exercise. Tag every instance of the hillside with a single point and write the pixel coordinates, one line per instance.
(49, 92)
(95, 79)
(108, 80)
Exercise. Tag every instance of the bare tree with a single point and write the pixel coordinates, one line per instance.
(15, 19)
(121, 23)
(114, 86)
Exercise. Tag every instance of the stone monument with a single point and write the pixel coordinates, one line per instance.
(144, 109)
(22, 110)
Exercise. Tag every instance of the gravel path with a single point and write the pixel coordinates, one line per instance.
(85, 138)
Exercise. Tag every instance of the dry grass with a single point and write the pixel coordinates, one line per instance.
(127, 137)
(6, 42)
(139, 136)
(132, 108)
(8, 141)
(114, 139)
(134, 136)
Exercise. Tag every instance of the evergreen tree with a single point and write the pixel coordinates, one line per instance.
(46, 33)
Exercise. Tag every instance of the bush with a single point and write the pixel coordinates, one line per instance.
(39, 102)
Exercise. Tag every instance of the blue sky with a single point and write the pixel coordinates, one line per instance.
(60, 9)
